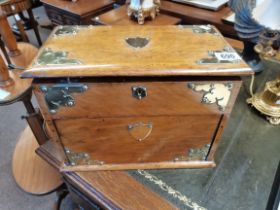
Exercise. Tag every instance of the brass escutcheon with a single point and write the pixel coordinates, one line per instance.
(140, 131)
(137, 42)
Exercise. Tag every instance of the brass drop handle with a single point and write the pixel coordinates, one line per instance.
(139, 92)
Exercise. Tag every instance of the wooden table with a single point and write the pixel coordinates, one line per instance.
(119, 17)
(75, 13)
(31, 173)
(195, 15)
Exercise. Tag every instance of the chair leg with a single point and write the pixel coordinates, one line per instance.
(4, 51)
(20, 27)
(34, 25)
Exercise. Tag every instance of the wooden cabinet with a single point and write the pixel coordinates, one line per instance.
(75, 13)
(136, 97)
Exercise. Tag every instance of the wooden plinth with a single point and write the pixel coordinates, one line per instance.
(32, 174)
(119, 17)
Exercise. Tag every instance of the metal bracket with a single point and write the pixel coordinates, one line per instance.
(67, 30)
(214, 93)
(51, 57)
(80, 158)
(195, 154)
(60, 95)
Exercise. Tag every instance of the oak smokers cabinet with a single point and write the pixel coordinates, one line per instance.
(132, 97)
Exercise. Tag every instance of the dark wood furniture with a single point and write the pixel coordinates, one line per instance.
(16, 7)
(119, 16)
(75, 13)
(143, 96)
(194, 15)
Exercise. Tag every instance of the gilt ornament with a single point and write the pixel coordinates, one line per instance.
(142, 9)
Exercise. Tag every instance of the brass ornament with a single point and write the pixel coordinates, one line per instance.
(214, 93)
(137, 42)
(67, 30)
(202, 29)
(49, 57)
(195, 154)
(140, 131)
(142, 9)
(61, 95)
(80, 158)
(268, 101)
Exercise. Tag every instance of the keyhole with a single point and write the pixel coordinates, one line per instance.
(139, 92)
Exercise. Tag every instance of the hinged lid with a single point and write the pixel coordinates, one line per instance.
(84, 51)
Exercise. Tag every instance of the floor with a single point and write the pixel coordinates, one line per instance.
(247, 159)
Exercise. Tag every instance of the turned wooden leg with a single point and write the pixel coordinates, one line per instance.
(8, 37)
(5, 79)
(4, 51)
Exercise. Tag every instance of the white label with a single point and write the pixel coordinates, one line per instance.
(205, 27)
(227, 56)
(3, 94)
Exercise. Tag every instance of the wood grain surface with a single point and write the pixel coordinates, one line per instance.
(106, 188)
(172, 50)
(119, 16)
(114, 99)
(236, 44)
(31, 172)
(134, 166)
(118, 189)
(109, 139)
(224, 121)
(8, 37)
(4, 74)
(27, 53)
(98, 123)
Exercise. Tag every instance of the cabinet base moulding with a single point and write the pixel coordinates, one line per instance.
(162, 165)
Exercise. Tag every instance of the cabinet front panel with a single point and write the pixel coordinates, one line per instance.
(138, 140)
(127, 99)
